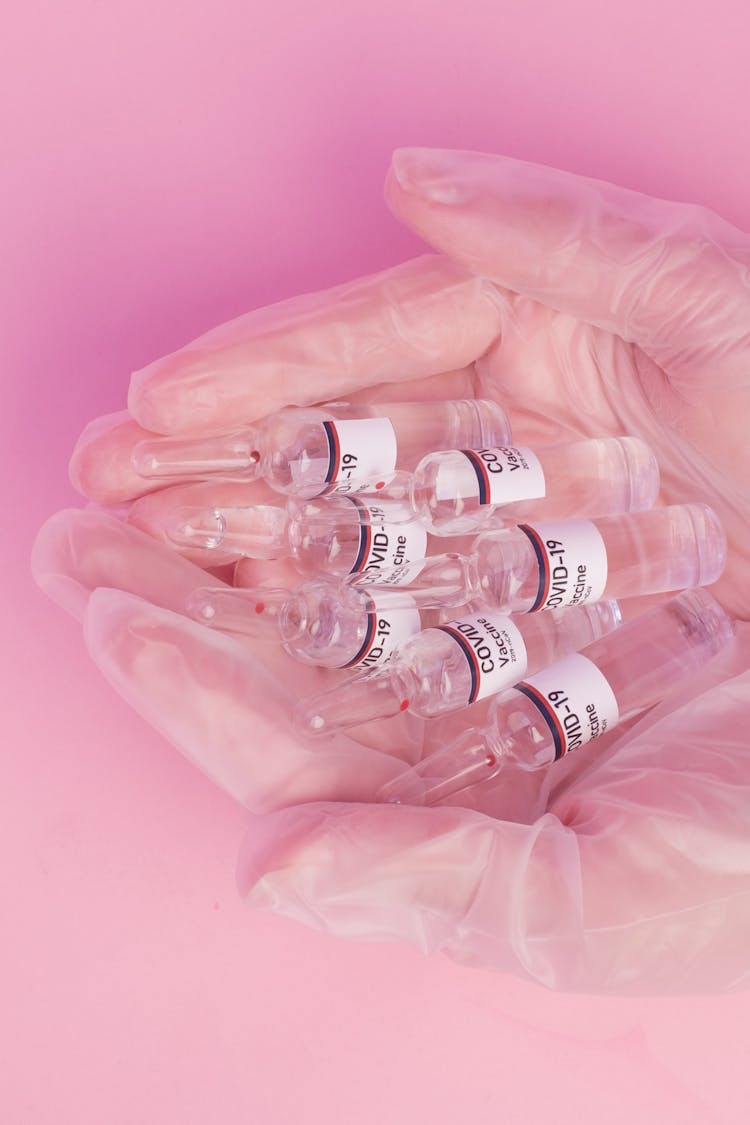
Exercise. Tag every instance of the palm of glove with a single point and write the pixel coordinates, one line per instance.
(585, 311)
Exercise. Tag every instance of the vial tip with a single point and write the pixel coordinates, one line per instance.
(200, 607)
(309, 722)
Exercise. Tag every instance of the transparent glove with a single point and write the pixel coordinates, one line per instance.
(586, 310)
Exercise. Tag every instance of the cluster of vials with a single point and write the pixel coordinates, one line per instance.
(520, 609)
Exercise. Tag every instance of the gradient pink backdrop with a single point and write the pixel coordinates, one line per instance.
(165, 166)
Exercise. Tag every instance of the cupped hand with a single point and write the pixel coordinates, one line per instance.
(586, 310)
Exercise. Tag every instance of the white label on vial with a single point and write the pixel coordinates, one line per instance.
(575, 700)
(572, 561)
(507, 473)
(361, 452)
(386, 550)
(494, 650)
(386, 628)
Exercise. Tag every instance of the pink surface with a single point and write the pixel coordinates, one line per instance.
(164, 168)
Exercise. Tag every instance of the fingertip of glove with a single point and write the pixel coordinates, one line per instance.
(404, 169)
(271, 844)
(99, 466)
(47, 566)
(160, 395)
(145, 400)
(435, 175)
(79, 473)
(176, 395)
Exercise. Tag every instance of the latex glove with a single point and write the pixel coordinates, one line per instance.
(593, 311)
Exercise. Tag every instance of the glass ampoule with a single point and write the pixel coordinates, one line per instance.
(556, 563)
(452, 665)
(335, 535)
(336, 447)
(230, 456)
(321, 621)
(344, 447)
(576, 700)
(458, 491)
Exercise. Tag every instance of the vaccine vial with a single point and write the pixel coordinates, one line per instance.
(338, 447)
(344, 447)
(459, 491)
(365, 535)
(452, 665)
(576, 700)
(320, 621)
(551, 564)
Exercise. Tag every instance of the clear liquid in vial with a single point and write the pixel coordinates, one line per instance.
(458, 491)
(347, 448)
(617, 677)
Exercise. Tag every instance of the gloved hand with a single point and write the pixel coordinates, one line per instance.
(586, 310)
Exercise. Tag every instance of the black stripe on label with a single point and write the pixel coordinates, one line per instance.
(471, 659)
(365, 542)
(367, 642)
(480, 470)
(549, 716)
(365, 534)
(542, 563)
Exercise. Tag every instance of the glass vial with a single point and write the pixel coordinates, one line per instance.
(344, 448)
(334, 535)
(576, 700)
(463, 490)
(450, 666)
(556, 563)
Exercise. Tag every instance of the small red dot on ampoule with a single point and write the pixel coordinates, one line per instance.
(491, 760)
(403, 705)
(255, 456)
(259, 607)
(380, 484)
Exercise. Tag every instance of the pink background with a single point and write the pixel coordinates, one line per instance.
(168, 165)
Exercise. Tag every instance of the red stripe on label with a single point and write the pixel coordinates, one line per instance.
(480, 469)
(368, 642)
(471, 659)
(334, 467)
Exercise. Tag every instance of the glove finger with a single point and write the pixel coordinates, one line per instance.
(224, 706)
(636, 881)
(266, 572)
(77, 551)
(417, 319)
(101, 467)
(670, 277)
(393, 872)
